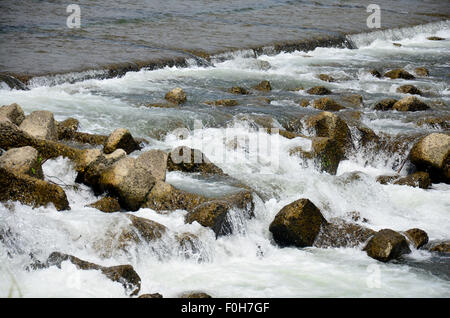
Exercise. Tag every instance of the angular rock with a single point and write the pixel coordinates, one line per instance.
(318, 90)
(327, 104)
(432, 154)
(410, 103)
(31, 191)
(130, 180)
(385, 104)
(13, 112)
(297, 224)
(191, 160)
(124, 274)
(40, 124)
(386, 245)
(24, 160)
(263, 86)
(399, 73)
(120, 139)
(422, 71)
(176, 96)
(418, 237)
(156, 162)
(107, 205)
(409, 89)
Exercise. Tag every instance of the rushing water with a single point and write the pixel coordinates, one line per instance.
(248, 263)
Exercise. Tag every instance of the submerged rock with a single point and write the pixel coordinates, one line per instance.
(326, 78)
(176, 96)
(435, 38)
(442, 122)
(410, 103)
(327, 104)
(124, 274)
(409, 89)
(40, 124)
(13, 112)
(223, 102)
(375, 73)
(385, 104)
(399, 73)
(419, 179)
(191, 160)
(353, 100)
(432, 154)
(297, 224)
(31, 191)
(107, 205)
(386, 245)
(141, 229)
(24, 160)
(422, 71)
(263, 86)
(120, 139)
(342, 234)
(318, 90)
(417, 236)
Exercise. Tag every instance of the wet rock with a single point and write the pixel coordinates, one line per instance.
(327, 104)
(223, 102)
(367, 137)
(304, 102)
(385, 104)
(409, 89)
(156, 162)
(155, 295)
(411, 104)
(31, 191)
(191, 160)
(387, 179)
(124, 274)
(12, 82)
(297, 224)
(165, 197)
(432, 154)
(67, 128)
(418, 237)
(238, 90)
(92, 163)
(396, 44)
(386, 245)
(107, 205)
(142, 229)
(435, 38)
(176, 96)
(353, 100)
(356, 216)
(422, 71)
(189, 245)
(13, 137)
(326, 78)
(419, 179)
(443, 247)
(327, 124)
(195, 295)
(375, 73)
(342, 234)
(40, 124)
(442, 123)
(13, 112)
(399, 73)
(130, 180)
(24, 160)
(120, 139)
(263, 65)
(318, 90)
(263, 86)
(84, 138)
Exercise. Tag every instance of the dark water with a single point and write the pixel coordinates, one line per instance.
(34, 37)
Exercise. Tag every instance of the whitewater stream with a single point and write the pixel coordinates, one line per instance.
(247, 263)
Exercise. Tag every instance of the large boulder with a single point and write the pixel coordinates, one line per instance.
(31, 191)
(120, 139)
(399, 73)
(297, 224)
(24, 160)
(386, 245)
(130, 180)
(13, 112)
(340, 233)
(123, 274)
(41, 124)
(327, 104)
(417, 236)
(411, 104)
(176, 96)
(191, 160)
(432, 154)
